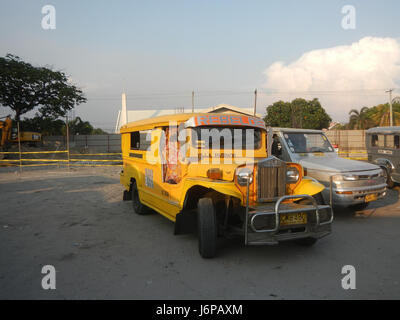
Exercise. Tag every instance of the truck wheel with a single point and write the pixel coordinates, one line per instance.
(388, 178)
(307, 242)
(138, 207)
(207, 228)
(359, 206)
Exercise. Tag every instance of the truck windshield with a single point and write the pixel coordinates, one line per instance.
(229, 138)
(301, 142)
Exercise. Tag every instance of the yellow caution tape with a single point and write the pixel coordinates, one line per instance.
(95, 154)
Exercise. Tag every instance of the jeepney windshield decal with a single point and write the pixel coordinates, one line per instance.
(225, 120)
(299, 142)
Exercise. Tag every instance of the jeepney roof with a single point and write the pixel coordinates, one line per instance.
(384, 130)
(165, 120)
(296, 130)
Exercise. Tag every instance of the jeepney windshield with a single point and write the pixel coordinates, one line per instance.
(300, 142)
(229, 138)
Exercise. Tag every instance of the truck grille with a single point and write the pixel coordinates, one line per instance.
(271, 179)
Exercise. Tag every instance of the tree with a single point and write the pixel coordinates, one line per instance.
(24, 87)
(299, 113)
(46, 126)
(360, 120)
(57, 127)
(77, 126)
(380, 114)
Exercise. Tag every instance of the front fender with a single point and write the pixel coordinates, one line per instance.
(382, 162)
(309, 186)
(224, 187)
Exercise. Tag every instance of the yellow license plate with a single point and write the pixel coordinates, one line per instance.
(293, 218)
(371, 197)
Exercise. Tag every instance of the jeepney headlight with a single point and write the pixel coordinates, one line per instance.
(243, 175)
(292, 175)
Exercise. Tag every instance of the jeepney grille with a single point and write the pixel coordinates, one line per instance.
(271, 179)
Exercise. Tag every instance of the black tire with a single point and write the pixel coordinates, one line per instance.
(308, 242)
(207, 228)
(360, 206)
(138, 207)
(389, 180)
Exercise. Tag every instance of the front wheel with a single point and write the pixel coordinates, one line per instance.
(388, 178)
(307, 242)
(360, 206)
(207, 228)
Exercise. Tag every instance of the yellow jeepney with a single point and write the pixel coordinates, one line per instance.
(212, 173)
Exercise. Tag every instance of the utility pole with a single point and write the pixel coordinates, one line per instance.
(390, 104)
(255, 102)
(193, 101)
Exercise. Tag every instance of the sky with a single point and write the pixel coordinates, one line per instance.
(159, 51)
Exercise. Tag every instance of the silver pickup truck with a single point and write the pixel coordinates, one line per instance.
(354, 183)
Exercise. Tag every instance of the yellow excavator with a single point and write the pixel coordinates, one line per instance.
(9, 135)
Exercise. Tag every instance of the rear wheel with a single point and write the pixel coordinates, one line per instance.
(138, 207)
(207, 228)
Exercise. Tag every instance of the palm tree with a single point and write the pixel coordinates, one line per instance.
(78, 126)
(381, 115)
(359, 120)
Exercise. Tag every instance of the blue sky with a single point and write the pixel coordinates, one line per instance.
(220, 49)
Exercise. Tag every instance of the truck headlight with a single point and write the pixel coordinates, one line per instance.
(345, 177)
(292, 175)
(243, 175)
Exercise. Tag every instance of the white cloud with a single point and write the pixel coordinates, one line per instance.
(343, 77)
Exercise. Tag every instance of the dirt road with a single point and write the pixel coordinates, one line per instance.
(77, 222)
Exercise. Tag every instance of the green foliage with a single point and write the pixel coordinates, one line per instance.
(98, 131)
(380, 114)
(360, 120)
(24, 87)
(373, 117)
(45, 126)
(77, 126)
(57, 127)
(299, 113)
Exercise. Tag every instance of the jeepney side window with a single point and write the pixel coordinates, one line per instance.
(135, 140)
(141, 140)
(374, 140)
(171, 167)
(389, 143)
(397, 142)
(381, 140)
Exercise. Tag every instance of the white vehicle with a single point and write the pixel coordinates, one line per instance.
(354, 183)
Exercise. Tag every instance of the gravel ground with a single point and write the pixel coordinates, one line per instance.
(77, 222)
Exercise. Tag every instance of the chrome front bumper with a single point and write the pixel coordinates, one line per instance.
(357, 196)
(273, 233)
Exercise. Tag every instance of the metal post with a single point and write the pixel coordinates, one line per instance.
(193, 101)
(390, 105)
(247, 212)
(19, 148)
(331, 191)
(66, 123)
(255, 102)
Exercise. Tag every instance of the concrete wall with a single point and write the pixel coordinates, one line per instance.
(85, 143)
(347, 140)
